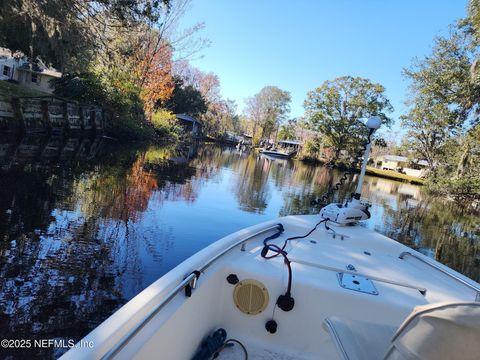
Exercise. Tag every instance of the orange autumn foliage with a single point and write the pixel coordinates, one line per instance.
(154, 70)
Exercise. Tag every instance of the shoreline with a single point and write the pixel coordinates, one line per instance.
(386, 174)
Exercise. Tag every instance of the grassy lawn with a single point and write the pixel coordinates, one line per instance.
(10, 89)
(393, 175)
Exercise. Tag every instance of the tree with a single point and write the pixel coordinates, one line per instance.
(443, 119)
(185, 100)
(335, 108)
(469, 154)
(253, 113)
(127, 45)
(471, 24)
(219, 114)
(471, 27)
(387, 145)
(267, 109)
(84, 87)
(220, 117)
(70, 33)
(217, 110)
(288, 131)
(155, 76)
(442, 96)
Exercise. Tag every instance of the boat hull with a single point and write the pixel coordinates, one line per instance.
(278, 154)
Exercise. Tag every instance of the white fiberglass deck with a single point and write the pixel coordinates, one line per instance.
(176, 331)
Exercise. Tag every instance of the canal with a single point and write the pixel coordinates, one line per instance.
(83, 231)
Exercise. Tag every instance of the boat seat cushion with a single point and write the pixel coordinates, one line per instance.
(439, 331)
(435, 331)
(359, 340)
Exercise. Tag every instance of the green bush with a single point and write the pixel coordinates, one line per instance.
(312, 147)
(131, 127)
(83, 87)
(460, 188)
(128, 120)
(165, 124)
(343, 164)
(311, 150)
(256, 139)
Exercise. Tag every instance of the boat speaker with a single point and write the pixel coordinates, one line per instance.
(250, 296)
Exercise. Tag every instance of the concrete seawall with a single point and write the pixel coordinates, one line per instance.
(45, 114)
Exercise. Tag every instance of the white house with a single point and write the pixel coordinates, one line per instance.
(9, 64)
(402, 164)
(34, 75)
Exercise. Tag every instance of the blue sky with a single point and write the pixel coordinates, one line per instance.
(296, 45)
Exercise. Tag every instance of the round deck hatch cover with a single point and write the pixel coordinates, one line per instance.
(250, 296)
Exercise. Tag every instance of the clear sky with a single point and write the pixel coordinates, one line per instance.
(296, 45)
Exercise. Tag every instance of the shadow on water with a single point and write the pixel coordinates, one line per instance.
(86, 224)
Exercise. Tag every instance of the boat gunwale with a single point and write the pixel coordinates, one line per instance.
(189, 280)
(448, 273)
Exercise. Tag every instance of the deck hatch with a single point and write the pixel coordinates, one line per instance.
(357, 283)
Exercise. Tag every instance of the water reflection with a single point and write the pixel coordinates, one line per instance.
(86, 224)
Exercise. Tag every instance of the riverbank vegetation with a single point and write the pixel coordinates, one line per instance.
(9, 89)
(128, 56)
(165, 124)
(394, 175)
(443, 124)
(111, 53)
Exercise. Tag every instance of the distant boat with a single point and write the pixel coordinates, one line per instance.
(279, 154)
(234, 139)
(287, 149)
(230, 138)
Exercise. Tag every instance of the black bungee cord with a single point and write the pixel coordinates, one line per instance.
(285, 302)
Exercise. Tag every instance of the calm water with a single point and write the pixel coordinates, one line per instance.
(85, 229)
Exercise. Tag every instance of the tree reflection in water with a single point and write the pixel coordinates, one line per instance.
(252, 183)
(83, 232)
(443, 230)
